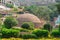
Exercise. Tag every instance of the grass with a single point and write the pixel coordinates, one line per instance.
(31, 39)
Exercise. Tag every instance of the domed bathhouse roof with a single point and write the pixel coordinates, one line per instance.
(28, 18)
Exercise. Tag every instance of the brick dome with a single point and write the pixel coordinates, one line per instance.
(28, 18)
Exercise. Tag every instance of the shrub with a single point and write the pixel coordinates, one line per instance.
(55, 34)
(28, 25)
(21, 12)
(59, 27)
(25, 25)
(27, 36)
(1, 15)
(20, 7)
(0, 33)
(40, 33)
(9, 5)
(21, 29)
(6, 33)
(48, 27)
(10, 22)
(15, 9)
(24, 30)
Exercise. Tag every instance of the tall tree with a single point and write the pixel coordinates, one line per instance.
(58, 7)
(10, 22)
(40, 11)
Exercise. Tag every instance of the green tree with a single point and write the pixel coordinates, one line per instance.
(58, 7)
(9, 5)
(46, 12)
(10, 22)
(48, 27)
(15, 9)
(58, 1)
(40, 11)
(28, 25)
(59, 28)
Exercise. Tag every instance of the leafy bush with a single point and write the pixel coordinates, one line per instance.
(25, 25)
(42, 11)
(0, 33)
(59, 27)
(28, 25)
(40, 33)
(48, 27)
(10, 22)
(21, 12)
(27, 36)
(55, 34)
(24, 30)
(21, 29)
(15, 9)
(20, 7)
(1, 15)
(6, 33)
(9, 5)
(58, 7)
